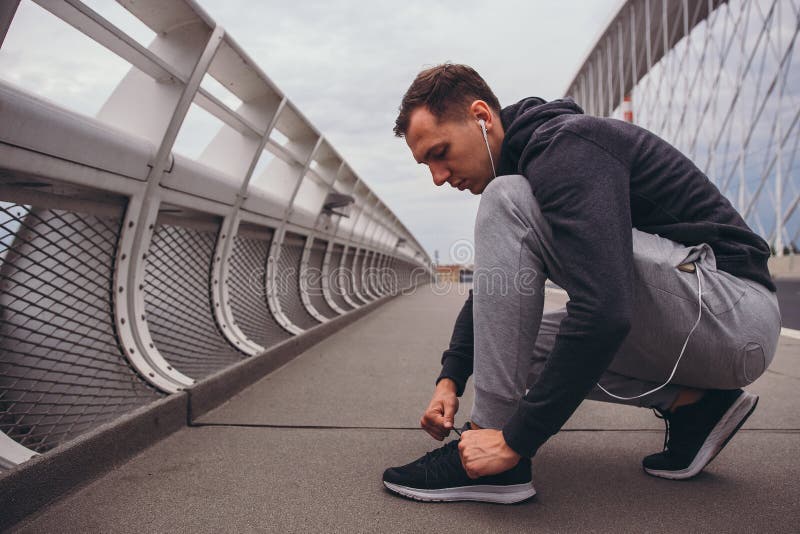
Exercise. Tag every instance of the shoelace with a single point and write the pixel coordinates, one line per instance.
(680, 431)
(466, 426)
(438, 453)
(440, 463)
(664, 416)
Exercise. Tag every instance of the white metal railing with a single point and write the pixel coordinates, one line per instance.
(126, 153)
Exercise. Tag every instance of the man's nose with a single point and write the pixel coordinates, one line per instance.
(440, 174)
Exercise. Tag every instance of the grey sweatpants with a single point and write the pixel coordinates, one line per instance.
(733, 344)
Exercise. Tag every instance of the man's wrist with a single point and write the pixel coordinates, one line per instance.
(447, 384)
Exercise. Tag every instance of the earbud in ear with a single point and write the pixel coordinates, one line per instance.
(482, 124)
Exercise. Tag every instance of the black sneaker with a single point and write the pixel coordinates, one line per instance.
(697, 432)
(440, 476)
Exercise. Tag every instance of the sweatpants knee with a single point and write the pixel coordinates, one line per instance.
(506, 199)
(504, 190)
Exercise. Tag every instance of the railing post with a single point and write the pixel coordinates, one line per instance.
(326, 260)
(136, 235)
(223, 312)
(276, 249)
(341, 269)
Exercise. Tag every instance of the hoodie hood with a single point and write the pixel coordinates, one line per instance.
(520, 122)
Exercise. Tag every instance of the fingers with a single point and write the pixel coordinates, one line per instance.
(469, 467)
(450, 408)
(433, 423)
(438, 419)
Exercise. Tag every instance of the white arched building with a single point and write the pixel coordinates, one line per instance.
(720, 81)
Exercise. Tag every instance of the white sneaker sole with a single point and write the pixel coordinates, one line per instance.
(722, 432)
(494, 494)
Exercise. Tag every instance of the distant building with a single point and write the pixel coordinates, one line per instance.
(454, 273)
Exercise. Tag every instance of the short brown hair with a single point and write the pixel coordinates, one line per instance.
(441, 89)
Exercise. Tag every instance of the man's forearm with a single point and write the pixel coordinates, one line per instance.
(573, 368)
(457, 360)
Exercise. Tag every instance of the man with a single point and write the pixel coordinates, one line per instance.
(671, 305)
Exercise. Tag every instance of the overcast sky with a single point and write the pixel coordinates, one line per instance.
(346, 65)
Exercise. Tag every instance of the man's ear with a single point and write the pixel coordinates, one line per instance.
(480, 110)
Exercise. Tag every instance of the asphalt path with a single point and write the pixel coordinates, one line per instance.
(303, 450)
(789, 300)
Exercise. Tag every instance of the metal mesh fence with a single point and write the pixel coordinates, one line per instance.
(314, 279)
(337, 281)
(373, 275)
(358, 275)
(62, 371)
(288, 282)
(367, 274)
(247, 291)
(403, 275)
(387, 276)
(350, 270)
(178, 300)
(390, 278)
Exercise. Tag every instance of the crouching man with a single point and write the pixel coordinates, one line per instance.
(671, 305)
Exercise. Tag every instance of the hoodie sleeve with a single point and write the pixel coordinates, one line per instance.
(457, 359)
(583, 191)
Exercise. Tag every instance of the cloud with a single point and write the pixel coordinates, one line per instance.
(347, 64)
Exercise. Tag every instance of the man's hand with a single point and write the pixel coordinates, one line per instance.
(438, 417)
(485, 452)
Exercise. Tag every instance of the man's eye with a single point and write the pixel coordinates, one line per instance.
(440, 154)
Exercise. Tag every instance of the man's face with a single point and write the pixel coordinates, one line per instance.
(453, 150)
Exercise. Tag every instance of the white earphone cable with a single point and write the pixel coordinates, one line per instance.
(486, 139)
(683, 349)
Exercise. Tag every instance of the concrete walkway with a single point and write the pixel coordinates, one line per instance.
(303, 451)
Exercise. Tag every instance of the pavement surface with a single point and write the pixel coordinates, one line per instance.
(303, 450)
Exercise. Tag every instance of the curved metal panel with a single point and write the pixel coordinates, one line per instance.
(357, 274)
(129, 307)
(307, 276)
(287, 280)
(348, 273)
(326, 281)
(178, 299)
(336, 281)
(313, 275)
(363, 274)
(247, 291)
(368, 276)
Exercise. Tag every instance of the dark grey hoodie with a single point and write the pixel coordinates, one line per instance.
(594, 180)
